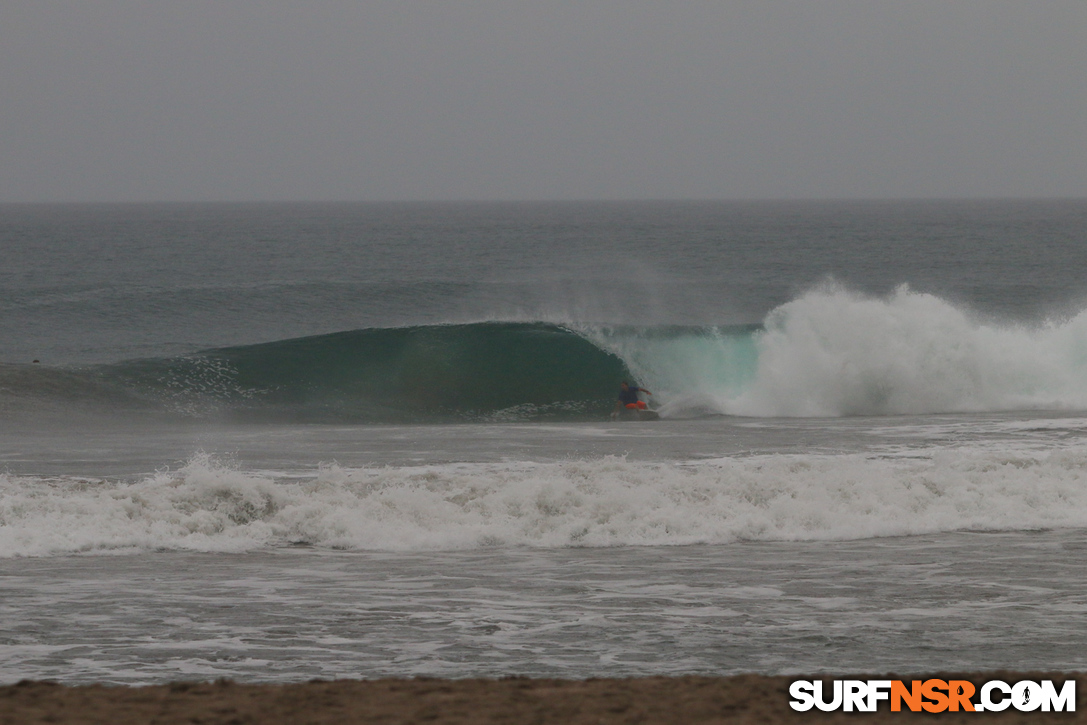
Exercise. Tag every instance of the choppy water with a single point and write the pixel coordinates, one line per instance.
(949, 602)
(282, 441)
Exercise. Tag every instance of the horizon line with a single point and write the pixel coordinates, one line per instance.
(544, 200)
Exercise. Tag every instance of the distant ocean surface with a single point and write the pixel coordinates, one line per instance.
(281, 441)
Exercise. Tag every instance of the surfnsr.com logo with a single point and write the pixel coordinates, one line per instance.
(933, 696)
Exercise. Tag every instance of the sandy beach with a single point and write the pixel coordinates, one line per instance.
(740, 699)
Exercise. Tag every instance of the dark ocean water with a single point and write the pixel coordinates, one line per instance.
(106, 283)
(418, 395)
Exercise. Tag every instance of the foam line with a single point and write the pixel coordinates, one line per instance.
(206, 506)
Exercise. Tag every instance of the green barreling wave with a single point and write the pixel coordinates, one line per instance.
(413, 374)
(488, 371)
(426, 373)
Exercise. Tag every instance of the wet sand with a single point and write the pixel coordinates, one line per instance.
(739, 699)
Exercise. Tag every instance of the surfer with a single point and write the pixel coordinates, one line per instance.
(628, 398)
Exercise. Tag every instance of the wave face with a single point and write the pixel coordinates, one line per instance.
(827, 353)
(483, 371)
(609, 501)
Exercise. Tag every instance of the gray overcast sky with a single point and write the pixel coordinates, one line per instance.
(149, 100)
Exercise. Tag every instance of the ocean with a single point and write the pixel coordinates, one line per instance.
(276, 442)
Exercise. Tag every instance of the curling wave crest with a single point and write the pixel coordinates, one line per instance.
(207, 506)
(830, 352)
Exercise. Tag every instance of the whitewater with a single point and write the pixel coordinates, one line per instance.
(204, 506)
(832, 352)
(275, 442)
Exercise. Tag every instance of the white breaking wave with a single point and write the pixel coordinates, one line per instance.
(832, 352)
(205, 506)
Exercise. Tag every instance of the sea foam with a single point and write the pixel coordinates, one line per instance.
(610, 501)
(833, 352)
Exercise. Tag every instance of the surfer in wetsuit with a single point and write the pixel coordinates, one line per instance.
(628, 398)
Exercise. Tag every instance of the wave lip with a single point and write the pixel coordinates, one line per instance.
(205, 506)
